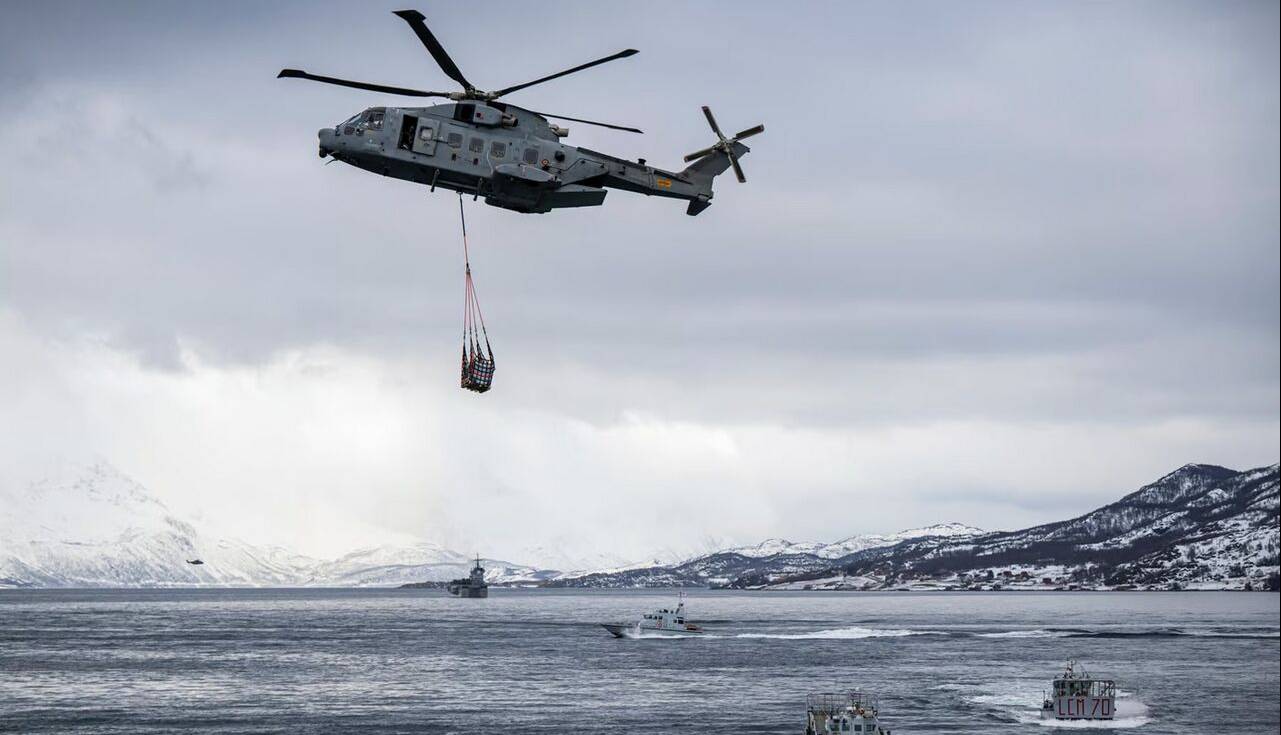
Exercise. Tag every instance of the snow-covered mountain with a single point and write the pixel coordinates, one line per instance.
(1200, 526)
(845, 547)
(89, 525)
(420, 562)
(772, 556)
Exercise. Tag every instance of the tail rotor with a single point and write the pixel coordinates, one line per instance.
(725, 145)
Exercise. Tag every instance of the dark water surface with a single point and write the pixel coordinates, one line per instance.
(381, 661)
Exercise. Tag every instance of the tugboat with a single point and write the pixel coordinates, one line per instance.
(470, 586)
(853, 711)
(1076, 695)
(668, 622)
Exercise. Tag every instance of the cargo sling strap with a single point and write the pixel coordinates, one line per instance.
(478, 362)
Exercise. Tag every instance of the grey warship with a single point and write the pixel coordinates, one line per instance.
(470, 586)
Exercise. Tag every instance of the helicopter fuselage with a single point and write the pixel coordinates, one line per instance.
(512, 157)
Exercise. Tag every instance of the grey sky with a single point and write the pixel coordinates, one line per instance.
(995, 262)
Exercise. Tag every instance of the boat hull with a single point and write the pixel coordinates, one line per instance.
(634, 630)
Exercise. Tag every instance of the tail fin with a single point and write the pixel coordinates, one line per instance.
(707, 168)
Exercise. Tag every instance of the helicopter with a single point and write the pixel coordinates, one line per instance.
(512, 156)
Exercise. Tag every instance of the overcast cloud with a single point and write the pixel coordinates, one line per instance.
(995, 263)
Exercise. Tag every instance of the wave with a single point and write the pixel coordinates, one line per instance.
(1249, 633)
(1037, 633)
(1175, 633)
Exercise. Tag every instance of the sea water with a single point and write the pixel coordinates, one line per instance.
(393, 661)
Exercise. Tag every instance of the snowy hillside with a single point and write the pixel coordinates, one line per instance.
(772, 556)
(845, 547)
(1200, 527)
(88, 525)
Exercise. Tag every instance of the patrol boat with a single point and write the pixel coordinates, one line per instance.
(1075, 695)
(665, 621)
(470, 586)
(851, 712)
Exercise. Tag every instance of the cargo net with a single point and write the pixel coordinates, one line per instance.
(478, 359)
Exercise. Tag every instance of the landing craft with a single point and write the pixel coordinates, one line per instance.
(510, 155)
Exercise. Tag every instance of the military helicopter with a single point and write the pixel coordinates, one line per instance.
(510, 155)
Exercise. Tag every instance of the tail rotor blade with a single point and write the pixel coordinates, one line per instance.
(749, 132)
(700, 154)
(707, 111)
(738, 170)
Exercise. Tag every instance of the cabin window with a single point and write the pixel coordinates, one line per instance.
(476, 145)
(455, 140)
(498, 150)
(531, 155)
(376, 119)
(464, 112)
(426, 134)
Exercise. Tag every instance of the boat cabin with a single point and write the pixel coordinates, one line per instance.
(850, 712)
(669, 620)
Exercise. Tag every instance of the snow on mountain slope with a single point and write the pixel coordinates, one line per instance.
(420, 562)
(844, 547)
(1201, 526)
(88, 525)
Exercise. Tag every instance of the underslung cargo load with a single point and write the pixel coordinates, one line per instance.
(478, 360)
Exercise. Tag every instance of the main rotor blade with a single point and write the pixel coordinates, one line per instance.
(405, 91)
(738, 170)
(620, 55)
(589, 122)
(700, 154)
(417, 21)
(749, 132)
(712, 121)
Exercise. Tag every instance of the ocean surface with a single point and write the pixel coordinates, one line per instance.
(418, 661)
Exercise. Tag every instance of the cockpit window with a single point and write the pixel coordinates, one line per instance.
(376, 118)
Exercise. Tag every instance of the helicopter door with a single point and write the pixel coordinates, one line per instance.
(425, 140)
(408, 128)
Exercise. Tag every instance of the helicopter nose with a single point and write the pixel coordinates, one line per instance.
(326, 136)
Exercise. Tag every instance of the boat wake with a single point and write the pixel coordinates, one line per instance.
(1037, 633)
(853, 632)
(1020, 702)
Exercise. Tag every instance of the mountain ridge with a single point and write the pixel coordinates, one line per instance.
(1200, 526)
